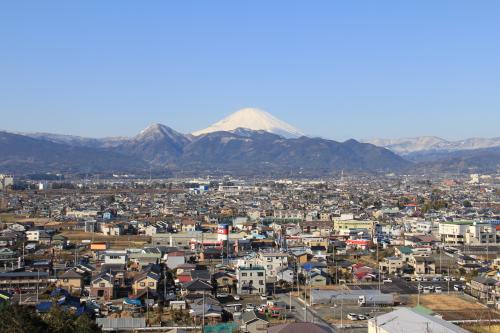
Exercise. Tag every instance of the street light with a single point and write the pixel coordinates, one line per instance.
(341, 308)
(333, 307)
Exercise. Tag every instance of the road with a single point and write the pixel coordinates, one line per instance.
(299, 313)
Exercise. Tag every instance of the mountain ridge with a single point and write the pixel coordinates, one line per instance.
(249, 141)
(405, 146)
(242, 151)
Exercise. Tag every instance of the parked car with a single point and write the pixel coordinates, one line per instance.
(438, 290)
(261, 308)
(249, 307)
(387, 280)
(352, 316)
(236, 297)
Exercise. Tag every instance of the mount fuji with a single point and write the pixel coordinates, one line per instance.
(255, 120)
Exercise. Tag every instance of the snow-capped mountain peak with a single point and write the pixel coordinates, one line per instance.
(405, 146)
(160, 132)
(252, 119)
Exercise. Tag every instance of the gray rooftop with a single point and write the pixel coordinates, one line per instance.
(408, 320)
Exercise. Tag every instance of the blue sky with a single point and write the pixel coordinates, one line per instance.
(336, 69)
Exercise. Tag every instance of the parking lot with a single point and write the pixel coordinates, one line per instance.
(334, 312)
(404, 287)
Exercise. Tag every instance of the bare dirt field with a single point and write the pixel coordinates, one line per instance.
(455, 307)
(483, 329)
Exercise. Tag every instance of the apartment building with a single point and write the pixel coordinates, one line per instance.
(467, 232)
(273, 262)
(251, 280)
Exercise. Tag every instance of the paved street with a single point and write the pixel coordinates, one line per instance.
(300, 313)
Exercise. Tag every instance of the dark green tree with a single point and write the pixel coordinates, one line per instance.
(18, 319)
(60, 321)
(215, 285)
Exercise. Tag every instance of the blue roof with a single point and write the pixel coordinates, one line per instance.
(59, 292)
(44, 306)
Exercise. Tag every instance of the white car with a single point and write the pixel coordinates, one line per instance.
(387, 280)
(236, 297)
(263, 297)
(352, 316)
(249, 307)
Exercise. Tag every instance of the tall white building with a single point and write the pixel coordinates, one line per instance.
(467, 232)
(251, 280)
(6, 181)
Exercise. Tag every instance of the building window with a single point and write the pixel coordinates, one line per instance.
(102, 285)
(142, 284)
(262, 273)
(243, 274)
(261, 282)
(151, 284)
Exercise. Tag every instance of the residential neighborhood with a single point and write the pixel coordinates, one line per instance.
(251, 256)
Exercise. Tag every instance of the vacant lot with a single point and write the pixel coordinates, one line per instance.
(483, 329)
(455, 307)
(447, 302)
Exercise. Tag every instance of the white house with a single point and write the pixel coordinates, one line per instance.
(115, 257)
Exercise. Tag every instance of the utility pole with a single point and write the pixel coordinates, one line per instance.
(164, 283)
(147, 305)
(441, 260)
(76, 255)
(203, 314)
(378, 265)
(341, 312)
(37, 283)
(418, 294)
(449, 279)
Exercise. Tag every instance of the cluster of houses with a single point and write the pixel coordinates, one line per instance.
(199, 245)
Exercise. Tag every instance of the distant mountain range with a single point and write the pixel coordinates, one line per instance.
(420, 144)
(248, 143)
(431, 153)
